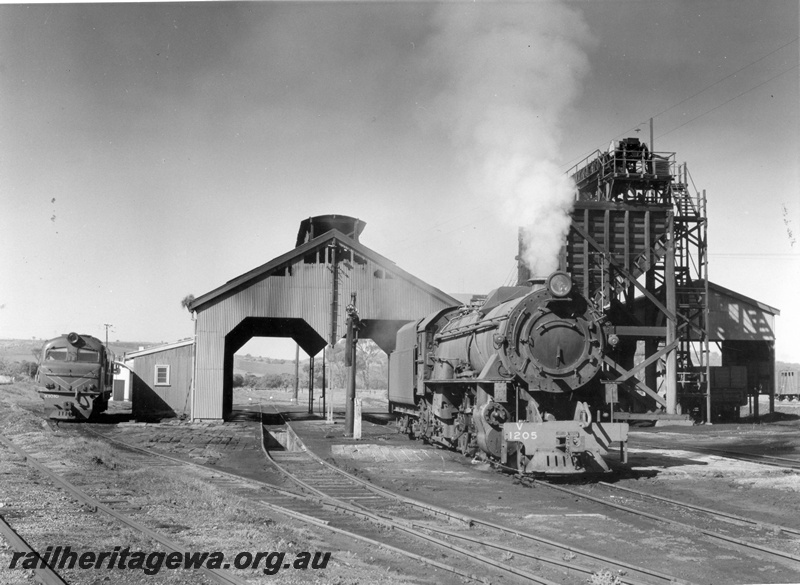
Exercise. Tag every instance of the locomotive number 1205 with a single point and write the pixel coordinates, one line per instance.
(521, 436)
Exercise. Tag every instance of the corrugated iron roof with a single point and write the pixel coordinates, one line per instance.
(158, 348)
(244, 280)
(727, 292)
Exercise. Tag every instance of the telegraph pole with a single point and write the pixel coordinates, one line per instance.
(353, 325)
(324, 389)
(296, 374)
(311, 384)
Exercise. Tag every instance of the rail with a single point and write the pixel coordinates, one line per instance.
(662, 519)
(216, 575)
(472, 521)
(412, 528)
(44, 574)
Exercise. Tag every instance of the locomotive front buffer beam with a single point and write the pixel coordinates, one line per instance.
(561, 447)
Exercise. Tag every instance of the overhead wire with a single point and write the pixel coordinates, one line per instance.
(703, 90)
(469, 222)
(728, 101)
(716, 83)
(754, 255)
(510, 279)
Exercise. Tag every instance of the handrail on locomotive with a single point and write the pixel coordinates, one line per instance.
(516, 379)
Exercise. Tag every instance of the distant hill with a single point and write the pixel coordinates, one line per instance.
(258, 366)
(22, 350)
(122, 347)
(27, 350)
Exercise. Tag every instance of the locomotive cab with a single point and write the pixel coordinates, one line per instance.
(74, 377)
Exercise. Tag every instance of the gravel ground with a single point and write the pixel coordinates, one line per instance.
(766, 494)
(183, 506)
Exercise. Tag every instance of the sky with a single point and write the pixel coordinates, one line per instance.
(149, 151)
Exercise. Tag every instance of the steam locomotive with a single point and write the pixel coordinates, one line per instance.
(75, 376)
(516, 379)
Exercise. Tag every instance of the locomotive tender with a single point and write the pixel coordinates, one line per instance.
(75, 376)
(516, 378)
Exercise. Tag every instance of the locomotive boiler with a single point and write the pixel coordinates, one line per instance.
(75, 376)
(517, 379)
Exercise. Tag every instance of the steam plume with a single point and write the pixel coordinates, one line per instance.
(511, 74)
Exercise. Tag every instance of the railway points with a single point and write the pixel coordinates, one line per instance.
(355, 497)
(425, 473)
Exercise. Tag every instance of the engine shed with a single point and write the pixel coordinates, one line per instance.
(302, 295)
(744, 330)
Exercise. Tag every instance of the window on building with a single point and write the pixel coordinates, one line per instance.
(162, 375)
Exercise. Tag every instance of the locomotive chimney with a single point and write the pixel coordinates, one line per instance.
(523, 271)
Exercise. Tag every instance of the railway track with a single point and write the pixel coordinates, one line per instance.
(339, 502)
(763, 459)
(736, 528)
(317, 476)
(325, 492)
(328, 497)
(312, 510)
(771, 460)
(45, 575)
(736, 518)
(745, 526)
(93, 503)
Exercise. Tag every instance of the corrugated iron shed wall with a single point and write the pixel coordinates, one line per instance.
(300, 287)
(174, 399)
(732, 318)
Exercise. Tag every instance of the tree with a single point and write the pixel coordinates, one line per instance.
(371, 365)
(252, 381)
(29, 368)
(186, 301)
(274, 381)
(336, 369)
(368, 358)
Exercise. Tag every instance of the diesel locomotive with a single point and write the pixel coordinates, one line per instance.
(517, 379)
(75, 376)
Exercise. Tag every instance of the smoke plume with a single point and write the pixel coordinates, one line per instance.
(510, 73)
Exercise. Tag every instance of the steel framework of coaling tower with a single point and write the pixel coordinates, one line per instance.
(637, 246)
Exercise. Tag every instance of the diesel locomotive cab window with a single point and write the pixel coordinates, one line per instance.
(88, 356)
(56, 354)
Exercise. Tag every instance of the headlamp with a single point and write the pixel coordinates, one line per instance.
(559, 284)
